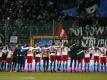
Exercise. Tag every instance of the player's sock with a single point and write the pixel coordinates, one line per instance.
(39, 67)
(80, 68)
(30, 66)
(35, 66)
(85, 67)
(0, 66)
(101, 67)
(46, 67)
(54, 66)
(7, 66)
(94, 67)
(63, 67)
(51, 66)
(16, 67)
(98, 67)
(10, 67)
(66, 66)
(88, 67)
(57, 66)
(104, 68)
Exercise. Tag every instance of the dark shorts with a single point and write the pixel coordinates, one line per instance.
(37, 59)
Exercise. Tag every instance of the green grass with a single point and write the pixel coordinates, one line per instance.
(52, 76)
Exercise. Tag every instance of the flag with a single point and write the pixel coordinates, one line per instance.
(102, 10)
(71, 11)
(61, 33)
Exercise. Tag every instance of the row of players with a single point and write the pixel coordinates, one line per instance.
(14, 59)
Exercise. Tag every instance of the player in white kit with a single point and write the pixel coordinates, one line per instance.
(103, 58)
(9, 60)
(96, 54)
(37, 51)
(4, 56)
(30, 59)
(65, 58)
(52, 58)
(1, 58)
(58, 57)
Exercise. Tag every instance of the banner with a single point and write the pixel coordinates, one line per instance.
(44, 42)
(90, 35)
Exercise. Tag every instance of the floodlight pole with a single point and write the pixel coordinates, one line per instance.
(53, 29)
(6, 26)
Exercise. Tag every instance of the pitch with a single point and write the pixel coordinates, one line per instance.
(52, 76)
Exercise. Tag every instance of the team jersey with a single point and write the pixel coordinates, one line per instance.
(59, 51)
(65, 51)
(10, 53)
(91, 50)
(103, 52)
(37, 51)
(45, 51)
(5, 51)
(30, 51)
(96, 53)
(52, 50)
(87, 53)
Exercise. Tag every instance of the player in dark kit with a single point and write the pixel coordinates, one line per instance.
(80, 57)
(15, 59)
(18, 58)
(72, 54)
(45, 56)
(23, 54)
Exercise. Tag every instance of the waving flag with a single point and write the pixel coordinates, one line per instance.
(102, 10)
(61, 32)
(71, 12)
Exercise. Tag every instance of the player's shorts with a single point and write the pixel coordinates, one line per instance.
(37, 59)
(87, 60)
(9, 60)
(80, 60)
(52, 58)
(103, 60)
(29, 59)
(58, 58)
(64, 57)
(0, 59)
(96, 59)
